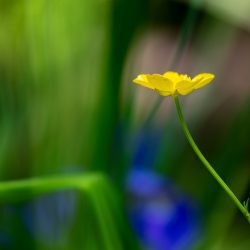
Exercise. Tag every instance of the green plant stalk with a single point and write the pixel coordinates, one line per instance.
(208, 166)
(21, 190)
(99, 196)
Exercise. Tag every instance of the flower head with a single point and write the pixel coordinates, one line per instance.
(172, 83)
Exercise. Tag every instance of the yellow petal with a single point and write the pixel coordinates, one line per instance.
(197, 78)
(185, 91)
(164, 93)
(172, 76)
(185, 77)
(202, 80)
(185, 87)
(142, 80)
(160, 83)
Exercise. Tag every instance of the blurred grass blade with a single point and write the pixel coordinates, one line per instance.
(103, 214)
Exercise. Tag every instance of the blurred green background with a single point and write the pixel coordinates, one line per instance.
(68, 105)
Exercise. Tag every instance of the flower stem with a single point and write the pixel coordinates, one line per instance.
(211, 170)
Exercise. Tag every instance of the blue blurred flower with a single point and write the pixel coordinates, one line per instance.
(49, 218)
(163, 217)
(5, 240)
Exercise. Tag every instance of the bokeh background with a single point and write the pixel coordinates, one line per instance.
(68, 105)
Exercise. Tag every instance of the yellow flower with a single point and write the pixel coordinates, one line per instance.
(172, 83)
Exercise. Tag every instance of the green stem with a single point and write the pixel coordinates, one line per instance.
(207, 164)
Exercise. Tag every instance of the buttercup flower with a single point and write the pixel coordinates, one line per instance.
(172, 83)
